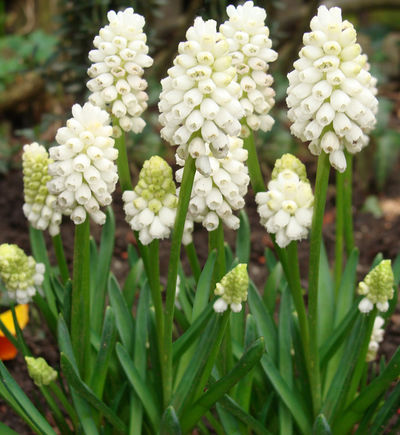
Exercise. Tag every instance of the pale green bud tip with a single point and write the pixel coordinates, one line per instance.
(377, 287)
(233, 289)
(289, 161)
(40, 371)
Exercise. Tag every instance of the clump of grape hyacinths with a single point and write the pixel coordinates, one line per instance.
(83, 172)
(20, 273)
(286, 208)
(377, 288)
(118, 65)
(331, 94)
(199, 100)
(232, 289)
(250, 48)
(151, 207)
(39, 207)
(216, 196)
(376, 337)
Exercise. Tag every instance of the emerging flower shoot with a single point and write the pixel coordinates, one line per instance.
(116, 73)
(40, 206)
(40, 372)
(331, 94)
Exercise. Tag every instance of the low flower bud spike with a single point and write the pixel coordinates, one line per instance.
(377, 288)
(331, 93)
(40, 206)
(232, 289)
(151, 207)
(40, 372)
(20, 273)
(286, 208)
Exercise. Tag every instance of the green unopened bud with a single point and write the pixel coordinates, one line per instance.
(40, 372)
(377, 288)
(289, 161)
(233, 289)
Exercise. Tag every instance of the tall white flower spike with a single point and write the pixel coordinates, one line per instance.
(331, 94)
(20, 273)
(250, 48)
(199, 100)
(39, 207)
(151, 207)
(119, 59)
(286, 208)
(377, 288)
(216, 196)
(83, 172)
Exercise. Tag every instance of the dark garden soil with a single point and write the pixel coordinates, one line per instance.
(372, 235)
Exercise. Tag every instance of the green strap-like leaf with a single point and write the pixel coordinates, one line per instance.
(387, 411)
(321, 426)
(170, 423)
(243, 239)
(136, 274)
(5, 430)
(272, 286)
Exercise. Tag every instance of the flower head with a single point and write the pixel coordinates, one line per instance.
(232, 289)
(151, 207)
(83, 172)
(286, 208)
(250, 48)
(289, 161)
(116, 73)
(331, 94)
(377, 288)
(20, 273)
(39, 207)
(376, 337)
(199, 100)
(216, 196)
(41, 373)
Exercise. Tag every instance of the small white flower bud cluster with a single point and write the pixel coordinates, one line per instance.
(250, 48)
(199, 100)
(151, 207)
(20, 273)
(233, 289)
(376, 338)
(331, 94)
(39, 206)
(118, 65)
(377, 288)
(286, 208)
(216, 196)
(83, 172)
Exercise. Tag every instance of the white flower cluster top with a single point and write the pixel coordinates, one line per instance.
(250, 48)
(39, 207)
(83, 172)
(118, 64)
(331, 94)
(199, 100)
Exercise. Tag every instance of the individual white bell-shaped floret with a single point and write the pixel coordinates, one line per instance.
(377, 288)
(217, 195)
(376, 337)
(199, 99)
(151, 207)
(250, 48)
(286, 208)
(20, 273)
(40, 206)
(83, 171)
(331, 94)
(118, 63)
(233, 290)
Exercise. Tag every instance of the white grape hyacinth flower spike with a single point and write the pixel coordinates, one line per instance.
(331, 93)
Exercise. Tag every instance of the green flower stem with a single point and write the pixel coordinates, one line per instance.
(60, 255)
(122, 161)
(193, 260)
(256, 178)
(339, 229)
(348, 201)
(216, 241)
(80, 305)
(321, 188)
(183, 203)
(58, 416)
(64, 402)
